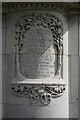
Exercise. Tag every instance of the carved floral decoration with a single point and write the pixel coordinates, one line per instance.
(38, 93)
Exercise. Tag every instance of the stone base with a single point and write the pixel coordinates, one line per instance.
(39, 90)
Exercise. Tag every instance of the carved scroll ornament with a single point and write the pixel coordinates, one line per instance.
(41, 92)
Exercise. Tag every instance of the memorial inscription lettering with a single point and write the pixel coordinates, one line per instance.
(38, 55)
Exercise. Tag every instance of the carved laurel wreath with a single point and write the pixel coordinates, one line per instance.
(46, 20)
(41, 92)
(38, 93)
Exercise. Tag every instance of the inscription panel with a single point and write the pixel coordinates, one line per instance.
(37, 57)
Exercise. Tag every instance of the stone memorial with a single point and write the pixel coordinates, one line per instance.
(38, 57)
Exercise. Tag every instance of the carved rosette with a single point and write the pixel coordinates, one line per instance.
(38, 92)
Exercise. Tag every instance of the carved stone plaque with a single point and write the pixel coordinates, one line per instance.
(38, 55)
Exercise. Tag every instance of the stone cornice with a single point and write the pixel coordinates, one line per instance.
(56, 6)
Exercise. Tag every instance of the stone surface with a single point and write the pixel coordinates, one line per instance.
(0, 108)
(73, 35)
(79, 73)
(0, 60)
(73, 66)
(74, 78)
(65, 66)
(73, 110)
(0, 28)
(1, 78)
(4, 34)
(79, 88)
(79, 34)
(24, 111)
(4, 82)
(4, 110)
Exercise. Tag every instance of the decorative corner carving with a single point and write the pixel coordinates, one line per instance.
(42, 92)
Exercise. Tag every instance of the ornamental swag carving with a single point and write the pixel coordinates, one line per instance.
(38, 91)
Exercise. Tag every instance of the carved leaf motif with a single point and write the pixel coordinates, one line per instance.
(38, 93)
(45, 20)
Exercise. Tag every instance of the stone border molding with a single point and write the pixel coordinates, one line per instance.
(13, 7)
(63, 7)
